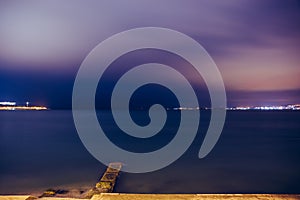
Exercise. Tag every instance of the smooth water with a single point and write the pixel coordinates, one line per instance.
(258, 152)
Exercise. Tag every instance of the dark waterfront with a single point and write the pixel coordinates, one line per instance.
(258, 152)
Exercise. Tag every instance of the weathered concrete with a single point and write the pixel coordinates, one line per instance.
(108, 180)
(16, 197)
(59, 198)
(118, 196)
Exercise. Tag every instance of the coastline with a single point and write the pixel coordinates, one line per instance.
(123, 196)
(13, 108)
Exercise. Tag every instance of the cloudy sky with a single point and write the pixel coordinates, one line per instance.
(254, 43)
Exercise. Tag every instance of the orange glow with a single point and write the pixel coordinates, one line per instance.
(23, 108)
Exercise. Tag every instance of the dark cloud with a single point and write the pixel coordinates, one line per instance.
(253, 42)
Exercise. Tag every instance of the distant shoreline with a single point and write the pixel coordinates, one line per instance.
(169, 110)
(15, 108)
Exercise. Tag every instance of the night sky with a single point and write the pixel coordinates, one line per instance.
(254, 43)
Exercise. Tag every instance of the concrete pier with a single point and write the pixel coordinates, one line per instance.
(108, 180)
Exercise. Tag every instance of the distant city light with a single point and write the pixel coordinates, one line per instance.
(186, 108)
(7, 103)
(23, 108)
(288, 107)
(13, 106)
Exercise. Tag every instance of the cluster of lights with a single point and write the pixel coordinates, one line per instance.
(288, 107)
(13, 106)
(23, 108)
(7, 103)
(186, 108)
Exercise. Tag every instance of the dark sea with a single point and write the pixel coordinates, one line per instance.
(258, 152)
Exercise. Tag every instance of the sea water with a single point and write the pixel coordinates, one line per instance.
(258, 152)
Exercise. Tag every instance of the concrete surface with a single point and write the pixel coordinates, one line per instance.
(118, 196)
(16, 197)
(122, 196)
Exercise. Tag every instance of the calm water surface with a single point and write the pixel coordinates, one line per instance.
(258, 152)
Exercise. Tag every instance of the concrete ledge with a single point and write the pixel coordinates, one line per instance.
(16, 197)
(122, 196)
(118, 196)
(60, 198)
